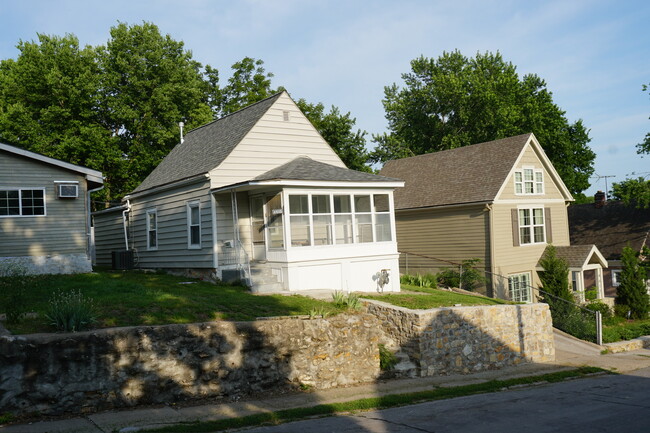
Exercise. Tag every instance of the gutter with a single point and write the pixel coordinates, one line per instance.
(89, 223)
(124, 223)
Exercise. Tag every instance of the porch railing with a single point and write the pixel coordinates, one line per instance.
(237, 257)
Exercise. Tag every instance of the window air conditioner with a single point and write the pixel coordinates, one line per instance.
(67, 190)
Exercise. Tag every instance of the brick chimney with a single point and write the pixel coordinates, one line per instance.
(599, 199)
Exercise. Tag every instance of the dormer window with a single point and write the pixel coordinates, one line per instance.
(529, 181)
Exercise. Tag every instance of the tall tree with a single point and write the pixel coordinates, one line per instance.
(338, 130)
(633, 192)
(645, 146)
(631, 290)
(456, 101)
(248, 84)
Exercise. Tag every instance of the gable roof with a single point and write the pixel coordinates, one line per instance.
(577, 256)
(610, 227)
(92, 176)
(205, 147)
(469, 174)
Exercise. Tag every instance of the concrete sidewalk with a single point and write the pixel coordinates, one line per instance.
(570, 352)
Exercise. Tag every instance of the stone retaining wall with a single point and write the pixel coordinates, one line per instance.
(626, 346)
(468, 339)
(103, 369)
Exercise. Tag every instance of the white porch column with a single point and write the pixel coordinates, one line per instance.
(600, 285)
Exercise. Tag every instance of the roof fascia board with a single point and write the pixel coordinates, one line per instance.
(91, 175)
(512, 169)
(162, 188)
(313, 183)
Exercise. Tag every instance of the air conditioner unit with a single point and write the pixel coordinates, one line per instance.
(67, 190)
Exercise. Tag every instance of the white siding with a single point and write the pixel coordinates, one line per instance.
(271, 143)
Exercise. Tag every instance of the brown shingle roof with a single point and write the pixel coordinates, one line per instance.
(467, 174)
(610, 227)
(575, 255)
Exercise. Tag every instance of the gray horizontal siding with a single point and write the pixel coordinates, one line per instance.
(109, 236)
(62, 230)
(171, 208)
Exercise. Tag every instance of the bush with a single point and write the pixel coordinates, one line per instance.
(604, 309)
(70, 311)
(622, 311)
(426, 280)
(13, 284)
(387, 359)
(632, 291)
(471, 278)
(591, 294)
(351, 301)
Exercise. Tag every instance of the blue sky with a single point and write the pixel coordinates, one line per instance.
(594, 55)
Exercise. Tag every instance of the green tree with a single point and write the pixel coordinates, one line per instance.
(554, 278)
(633, 192)
(338, 130)
(248, 84)
(455, 101)
(631, 290)
(645, 146)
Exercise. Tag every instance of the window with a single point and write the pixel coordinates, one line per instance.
(616, 277)
(529, 181)
(194, 224)
(152, 229)
(328, 219)
(22, 202)
(531, 226)
(519, 287)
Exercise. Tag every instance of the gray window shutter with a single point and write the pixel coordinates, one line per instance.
(515, 227)
(547, 223)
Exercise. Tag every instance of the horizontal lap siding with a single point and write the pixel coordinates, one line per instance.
(171, 206)
(109, 236)
(225, 221)
(453, 234)
(530, 159)
(271, 143)
(62, 230)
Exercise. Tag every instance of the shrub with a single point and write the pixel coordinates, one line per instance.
(604, 309)
(70, 311)
(470, 279)
(387, 359)
(426, 280)
(623, 311)
(13, 283)
(632, 291)
(591, 294)
(350, 301)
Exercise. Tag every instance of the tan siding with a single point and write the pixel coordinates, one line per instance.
(62, 230)
(509, 259)
(171, 207)
(528, 159)
(452, 234)
(109, 236)
(273, 142)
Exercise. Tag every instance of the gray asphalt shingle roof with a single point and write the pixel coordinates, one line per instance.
(466, 174)
(206, 147)
(305, 168)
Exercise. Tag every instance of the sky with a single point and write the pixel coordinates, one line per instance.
(594, 55)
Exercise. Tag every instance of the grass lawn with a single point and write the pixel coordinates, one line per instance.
(433, 298)
(137, 298)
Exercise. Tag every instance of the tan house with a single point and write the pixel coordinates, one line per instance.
(259, 196)
(501, 202)
(44, 213)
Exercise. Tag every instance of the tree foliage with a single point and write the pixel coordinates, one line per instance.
(554, 278)
(645, 146)
(455, 101)
(633, 192)
(632, 290)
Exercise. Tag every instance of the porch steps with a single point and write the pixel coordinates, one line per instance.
(404, 366)
(264, 280)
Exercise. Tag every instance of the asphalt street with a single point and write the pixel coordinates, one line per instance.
(611, 403)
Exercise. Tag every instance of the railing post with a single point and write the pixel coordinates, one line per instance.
(599, 328)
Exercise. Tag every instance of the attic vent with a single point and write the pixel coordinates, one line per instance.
(285, 116)
(67, 189)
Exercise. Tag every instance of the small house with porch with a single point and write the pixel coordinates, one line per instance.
(259, 196)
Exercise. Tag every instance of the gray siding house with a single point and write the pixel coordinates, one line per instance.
(258, 195)
(44, 213)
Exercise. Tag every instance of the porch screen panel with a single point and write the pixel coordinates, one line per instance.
(275, 223)
(343, 219)
(299, 220)
(362, 218)
(382, 218)
(322, 214)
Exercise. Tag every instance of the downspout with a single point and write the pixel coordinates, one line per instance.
(124, 224)
(88, 221)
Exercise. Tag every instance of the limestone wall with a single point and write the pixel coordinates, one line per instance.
(468, 339)
(84, 372)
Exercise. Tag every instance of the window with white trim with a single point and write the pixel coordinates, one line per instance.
(328, 219)
(152, 229)
(22, 202)
(532, 228)
(529, 181)
(519, 287)
(194, 225)
(616, 277)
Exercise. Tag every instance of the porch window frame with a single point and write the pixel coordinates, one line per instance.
(190, 224)
(536, 182)
(150, 230)
(21, 205)
(527, 287)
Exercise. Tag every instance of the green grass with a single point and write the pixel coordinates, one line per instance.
(288, 415)
(137, 298)
(619, 329)
(433, 298)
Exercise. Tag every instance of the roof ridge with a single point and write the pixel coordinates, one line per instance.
(235, 112)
